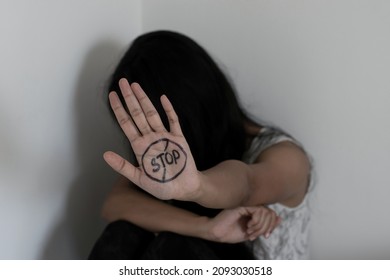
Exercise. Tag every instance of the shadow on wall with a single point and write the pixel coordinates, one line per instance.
(96, 132)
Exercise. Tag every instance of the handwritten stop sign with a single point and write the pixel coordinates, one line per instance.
(164, 160)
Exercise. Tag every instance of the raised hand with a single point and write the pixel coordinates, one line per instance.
(166, 166)
(242, 224)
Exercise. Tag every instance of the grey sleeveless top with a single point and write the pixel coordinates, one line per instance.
(290, 239)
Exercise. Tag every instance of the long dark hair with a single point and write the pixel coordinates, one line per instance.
(165, 62)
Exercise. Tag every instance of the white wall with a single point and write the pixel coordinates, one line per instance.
(320, 70)
(55, 57)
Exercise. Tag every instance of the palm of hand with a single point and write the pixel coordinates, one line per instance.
(167, 169)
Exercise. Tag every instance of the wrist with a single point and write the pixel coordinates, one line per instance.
(209, 230)
(197, 194)
(203, 228)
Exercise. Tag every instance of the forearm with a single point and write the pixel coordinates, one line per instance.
(226, 185)
(152, 214)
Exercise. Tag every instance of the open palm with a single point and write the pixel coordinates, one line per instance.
(166, 166)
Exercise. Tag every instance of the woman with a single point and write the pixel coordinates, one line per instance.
(212, 157)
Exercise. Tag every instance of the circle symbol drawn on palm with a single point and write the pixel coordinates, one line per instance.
(166, 164)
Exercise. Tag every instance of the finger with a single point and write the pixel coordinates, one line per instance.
(124, 120)
(123, 167)
(152, 116)
(261, 229)
(277, 222)
(266, 221)
(256, 228)
(259, 225)
(271, 226)
(174, 125)
(256, 215)
(134, 107)
(255, 235)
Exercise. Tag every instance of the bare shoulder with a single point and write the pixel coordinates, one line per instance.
(289, 168)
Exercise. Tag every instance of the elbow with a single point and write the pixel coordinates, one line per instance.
(107, 213)
(104, 215)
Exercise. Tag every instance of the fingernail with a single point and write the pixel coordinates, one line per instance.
(267, 235)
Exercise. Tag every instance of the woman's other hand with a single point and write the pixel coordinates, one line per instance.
(242, 224)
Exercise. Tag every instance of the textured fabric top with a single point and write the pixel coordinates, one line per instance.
(290, 239)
